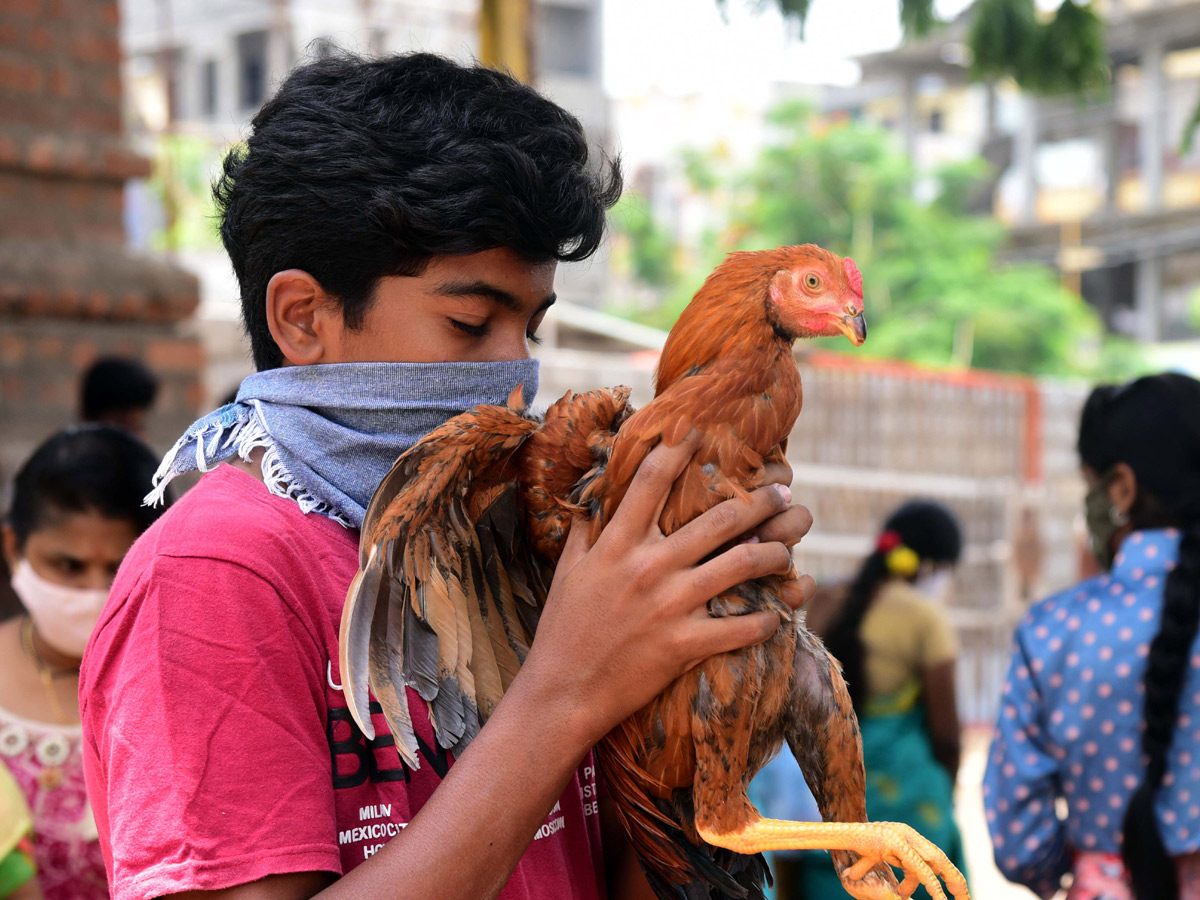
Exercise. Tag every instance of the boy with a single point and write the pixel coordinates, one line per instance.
(383, 214)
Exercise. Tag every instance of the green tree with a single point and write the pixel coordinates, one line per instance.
(651, 252)
(182, 180)
(1064, 53)
(936, 292)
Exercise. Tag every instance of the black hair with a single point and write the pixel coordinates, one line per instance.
(115, 384)
(932, 533)
(1153, 426)
(85, 468)
(360, 169)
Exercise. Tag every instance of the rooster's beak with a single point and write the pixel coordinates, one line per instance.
(855, 328)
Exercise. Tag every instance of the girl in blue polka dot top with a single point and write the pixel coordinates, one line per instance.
(1095, 766)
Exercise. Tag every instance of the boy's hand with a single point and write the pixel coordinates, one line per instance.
(628, 616)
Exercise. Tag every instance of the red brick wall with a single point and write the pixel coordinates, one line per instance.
(69, 290)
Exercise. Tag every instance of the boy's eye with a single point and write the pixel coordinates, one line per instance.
(534, 324)
(467, 328)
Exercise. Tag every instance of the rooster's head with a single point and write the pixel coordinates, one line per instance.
(760, 301)
(816, 293)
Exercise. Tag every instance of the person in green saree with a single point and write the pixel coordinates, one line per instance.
(890, 631)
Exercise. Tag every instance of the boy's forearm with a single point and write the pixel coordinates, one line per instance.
(470, 835)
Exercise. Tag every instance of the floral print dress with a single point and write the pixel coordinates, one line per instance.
(47, 763)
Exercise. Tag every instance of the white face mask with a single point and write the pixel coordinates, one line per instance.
(63, 616)
(935, 586)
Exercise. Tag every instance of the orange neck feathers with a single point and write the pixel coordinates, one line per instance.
(730, 318)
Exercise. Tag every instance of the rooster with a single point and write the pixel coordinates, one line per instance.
(459, 545)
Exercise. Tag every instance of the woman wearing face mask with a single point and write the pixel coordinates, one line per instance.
(76, 509)
(1101, 710)
(898, 651)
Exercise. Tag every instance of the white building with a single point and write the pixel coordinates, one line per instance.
(212, 63)
(1101, 190)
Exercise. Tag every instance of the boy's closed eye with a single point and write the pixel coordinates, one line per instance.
(469, 328)
(482, 330)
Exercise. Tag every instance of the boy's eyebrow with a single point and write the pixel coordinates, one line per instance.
(497, 295)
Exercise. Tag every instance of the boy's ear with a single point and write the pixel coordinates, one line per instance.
(304, 323)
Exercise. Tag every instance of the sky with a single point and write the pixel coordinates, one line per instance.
(686, 46)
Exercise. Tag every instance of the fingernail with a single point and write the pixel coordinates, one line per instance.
(785, 492)
(753, 539)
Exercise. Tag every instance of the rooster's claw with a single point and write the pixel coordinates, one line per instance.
(896, 844)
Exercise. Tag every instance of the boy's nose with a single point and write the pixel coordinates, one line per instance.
(512, 350)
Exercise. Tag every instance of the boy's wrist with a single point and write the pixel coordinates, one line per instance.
(549, 698)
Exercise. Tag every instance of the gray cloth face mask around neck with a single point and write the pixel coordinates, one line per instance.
(330, 433)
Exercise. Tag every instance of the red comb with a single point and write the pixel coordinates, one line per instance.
(853, 276)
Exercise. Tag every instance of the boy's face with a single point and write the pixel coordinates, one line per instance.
(481, 307)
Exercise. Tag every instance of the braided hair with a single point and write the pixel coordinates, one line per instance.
(929, 533)
(1153, 426)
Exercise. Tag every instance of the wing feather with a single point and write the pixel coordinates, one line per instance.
(456, 562)
(432, 608)
(355, 636)
(420, 647)
(387, 680)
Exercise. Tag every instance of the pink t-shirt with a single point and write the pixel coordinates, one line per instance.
(218, 747)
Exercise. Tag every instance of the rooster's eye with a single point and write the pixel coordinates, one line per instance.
(811, 281)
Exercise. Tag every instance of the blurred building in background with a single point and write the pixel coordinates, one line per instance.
(198, 70)
(1102, 190)
(70, 290)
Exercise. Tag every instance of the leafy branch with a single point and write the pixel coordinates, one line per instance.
(1063, 55)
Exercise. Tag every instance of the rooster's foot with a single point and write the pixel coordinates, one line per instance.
(875, 843)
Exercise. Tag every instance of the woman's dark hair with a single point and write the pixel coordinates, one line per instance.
(86, 468)
(1153, 426)
(360, 169)
(932, 533)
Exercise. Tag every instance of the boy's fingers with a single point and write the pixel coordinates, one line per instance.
(788, 527)
(721, 635)
(777, 473)
(799, 591)
(643, 504)
(725, 522)
(576, 545)
(743, 562)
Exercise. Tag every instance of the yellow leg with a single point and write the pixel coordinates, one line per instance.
(874, 842)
